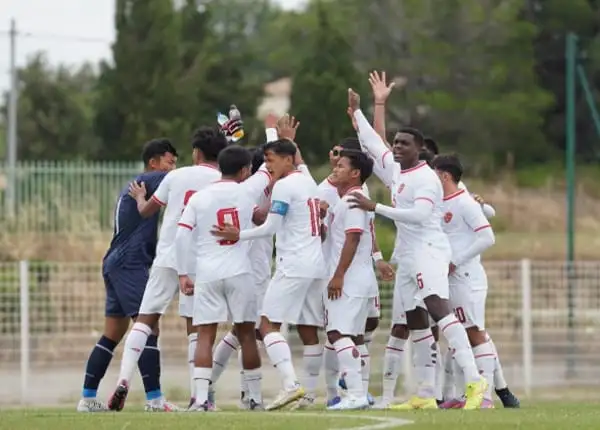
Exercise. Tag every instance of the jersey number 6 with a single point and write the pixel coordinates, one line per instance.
(228, 216)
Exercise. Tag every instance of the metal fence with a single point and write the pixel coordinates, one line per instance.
(58, 196)
(51, 314)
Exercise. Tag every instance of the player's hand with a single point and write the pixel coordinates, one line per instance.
(334, 289)
(359, 200)
(353, 100)
(451, 269)
(287, 127)
(137, 191)
(385, 270)
(226, 231)
(323, 207)
(271, 121)
(350, 113)
(186, 286)
(381, 90)
(478, 199)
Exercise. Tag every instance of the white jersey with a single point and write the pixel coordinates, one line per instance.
(261, 251)
(408, 186)
(298, 241)
(222, 202)
(359, 280)
(462, 220)
(174, 192)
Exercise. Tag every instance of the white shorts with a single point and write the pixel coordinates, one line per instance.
(186, 303)
(347, 315)
(296, 301)
(232, 299)
(467, 299)
(162, 286)
(261, 290)
(374, 307)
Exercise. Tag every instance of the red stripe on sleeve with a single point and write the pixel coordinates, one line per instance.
(157, 200)
(425, 198)
(482, 227)
(181, 224)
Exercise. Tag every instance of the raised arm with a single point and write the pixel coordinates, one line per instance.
(381, 92)
(287, 126)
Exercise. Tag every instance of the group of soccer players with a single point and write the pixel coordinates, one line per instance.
(215, 250)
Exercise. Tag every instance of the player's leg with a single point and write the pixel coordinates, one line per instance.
(186, 311)
(221, 355)
(439, 364)
(116, 324)
(508, 399)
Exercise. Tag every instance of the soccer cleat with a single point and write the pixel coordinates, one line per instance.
(382, 403)
(453, 404)
(91, 405)
(161, 405)
(350, 403)
(474, 394)
(211, 400)
(117, 400)
(487, 404)
(305, 402)
(244, 402)
(255, 406)
(344, 387)
(370, 399)
(415, 403)
(204, 407)
(286, 397)
(333, 401)
(192, 401)
(508, 399)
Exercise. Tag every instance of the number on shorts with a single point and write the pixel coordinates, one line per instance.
(228, 216)
(420, 280)
(315, 219)
(460, 315)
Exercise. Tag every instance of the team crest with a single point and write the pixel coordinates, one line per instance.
(448, 217)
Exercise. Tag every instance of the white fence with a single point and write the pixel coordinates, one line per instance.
(546, 327)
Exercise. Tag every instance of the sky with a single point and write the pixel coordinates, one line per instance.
(69, 31)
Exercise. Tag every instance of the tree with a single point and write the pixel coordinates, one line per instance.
(320, 88)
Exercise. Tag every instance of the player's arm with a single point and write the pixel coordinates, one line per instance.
(259, 215)
(355, 221)
(155, 197)
(484, 235)
(381, 92)
(425, 196)
(488, 210)
(256, 184)
(183, 238)
(376, 148)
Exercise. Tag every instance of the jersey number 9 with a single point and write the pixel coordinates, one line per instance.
(228, 216)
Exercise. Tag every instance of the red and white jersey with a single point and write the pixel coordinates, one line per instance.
(462, 220)
(174, 192)
(221, 202)
(298, 241)
(261, 250)
(360, 279)
(408, 186)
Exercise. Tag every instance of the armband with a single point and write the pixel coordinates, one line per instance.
(278, 207)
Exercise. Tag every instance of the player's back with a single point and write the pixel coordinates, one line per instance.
(180, 185)
(134, 238)
(222, 202)
(298, 241)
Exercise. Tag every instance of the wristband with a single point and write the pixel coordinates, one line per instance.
(377, 256)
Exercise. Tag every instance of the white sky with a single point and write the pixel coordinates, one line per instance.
(69, 31)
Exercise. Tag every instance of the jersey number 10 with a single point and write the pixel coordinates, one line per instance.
(228, 216)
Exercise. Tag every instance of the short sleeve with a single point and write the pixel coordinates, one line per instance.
(281, 198)
(161, 195)
(428, 190)
(473, 215)
(188, 217)
(355, 220)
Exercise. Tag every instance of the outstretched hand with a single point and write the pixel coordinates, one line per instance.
(353, 100)
(287, 126)
(381, 90)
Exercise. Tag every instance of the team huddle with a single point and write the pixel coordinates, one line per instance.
(215, 250)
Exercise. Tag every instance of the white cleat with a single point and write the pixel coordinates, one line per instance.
(91, 405)
(285, 398)
(205, 407)
(349, 403)
(161, 405)
(382, 403)
(306, 402)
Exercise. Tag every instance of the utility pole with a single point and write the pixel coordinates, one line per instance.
(12, 125)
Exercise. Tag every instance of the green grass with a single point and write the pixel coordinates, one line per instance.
(536, 416)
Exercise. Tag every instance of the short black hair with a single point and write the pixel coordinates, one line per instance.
(350, 143)
(361, 161)
(233, 159)
(431, 145)
(258, 157)
(449, 163)
(210, 141)
(156, 148)
(426, 156)
(281, 147)
(419, 138)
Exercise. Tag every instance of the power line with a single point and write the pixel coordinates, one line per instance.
(55, 36)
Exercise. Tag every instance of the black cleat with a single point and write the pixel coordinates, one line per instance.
(117, 400)
(256, 406)
(508, 399)
(439, 402)
(192, 401)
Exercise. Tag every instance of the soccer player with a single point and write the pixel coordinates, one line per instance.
(353, 286)
(295, 293)
(423, 255)
(224, 287)
(173, 193)
(125, 271)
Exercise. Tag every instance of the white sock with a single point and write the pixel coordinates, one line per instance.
(392, 365)
(134, 345)
(423, 345)
(368, 338)
(499, 381)
(332, 370)
(457, 338)
(202, 382)
(459, 380)
(252, 379)
(312, 360)
(221, 355)
(486, 363)
(192, 341)
(365, 369)
(440, 374)
(349, 359)
(243, 384)
(280, 355)
(449, 384)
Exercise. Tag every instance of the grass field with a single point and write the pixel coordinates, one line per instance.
(537, 416)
